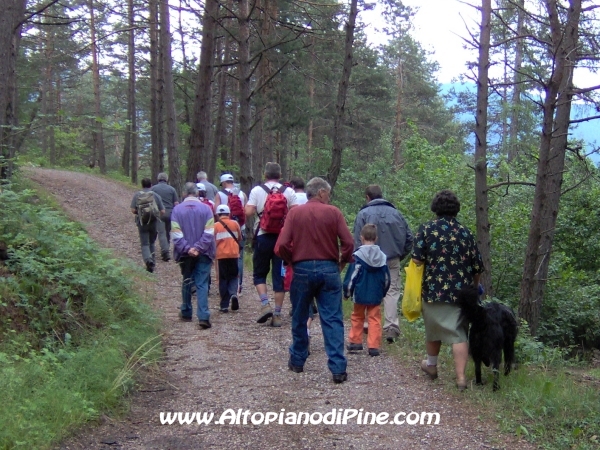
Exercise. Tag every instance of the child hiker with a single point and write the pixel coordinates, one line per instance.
(367, 281)
(228, 235)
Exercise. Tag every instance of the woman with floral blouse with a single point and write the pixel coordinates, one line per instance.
(452, 260)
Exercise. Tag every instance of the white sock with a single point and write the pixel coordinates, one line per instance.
(432, 360)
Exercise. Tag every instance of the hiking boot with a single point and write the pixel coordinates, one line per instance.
(204, 324)
(166, 257)
(184, 318)
(431, 371)
(265, 313)
(373, 352)
(295, 369)
(150, 266)
(391, 334)
(340, 377)
(235, 303)
(224, 310)
(276, 320)
(354, 347)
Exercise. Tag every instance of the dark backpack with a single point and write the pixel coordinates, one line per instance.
(147, 208)
(275, 210)
(235, 207)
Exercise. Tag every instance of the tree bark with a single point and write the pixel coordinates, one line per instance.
(98, 153)
(245, 155)
(336, 153)
(10, 32)
(397, 138)
(553, 145)
(198, 156)
(515, 105)
(169, 97)
(131, 108)
(220, 146)
(157, 165)
(481, 124)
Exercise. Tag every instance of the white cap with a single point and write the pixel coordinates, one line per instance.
(226, 177)
(223, 209)
(201, 186)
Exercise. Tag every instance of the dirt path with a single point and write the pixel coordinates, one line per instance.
(239, 364)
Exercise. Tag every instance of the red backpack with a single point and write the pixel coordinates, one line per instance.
(275, 210)
(235, 207)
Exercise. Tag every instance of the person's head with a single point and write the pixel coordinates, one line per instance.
(201, 188)
(297, 184)
(368, 234)
(373, 191)
(272, 171)
(223, 211)
(190, 190)
(146, 183)
(318, 188)
(162, 177)
(445, 203)
(227, 180)
(201, 175)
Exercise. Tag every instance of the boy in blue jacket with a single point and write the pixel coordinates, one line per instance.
(367, 281)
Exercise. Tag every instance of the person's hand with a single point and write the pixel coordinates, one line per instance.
(193, 252)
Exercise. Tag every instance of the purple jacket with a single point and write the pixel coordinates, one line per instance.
(192, 226)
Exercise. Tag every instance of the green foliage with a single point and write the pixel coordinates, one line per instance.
(73, 333)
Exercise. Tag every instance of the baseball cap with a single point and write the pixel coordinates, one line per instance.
(223, 209)
(226, 177)
(201, 186)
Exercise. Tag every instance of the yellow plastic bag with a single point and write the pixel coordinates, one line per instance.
(411, 300)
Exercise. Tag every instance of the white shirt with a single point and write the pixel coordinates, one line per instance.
(301, 198)
(258, 198)
(225, 200)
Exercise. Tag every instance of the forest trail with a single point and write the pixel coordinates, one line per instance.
(240, 364)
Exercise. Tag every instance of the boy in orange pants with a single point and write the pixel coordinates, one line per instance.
(367, 281)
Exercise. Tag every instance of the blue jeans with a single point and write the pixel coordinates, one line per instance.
(320, 280)
(195, 271)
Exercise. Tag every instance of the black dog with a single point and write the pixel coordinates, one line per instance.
(493, 329)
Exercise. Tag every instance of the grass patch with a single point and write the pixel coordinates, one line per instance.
(73, 330)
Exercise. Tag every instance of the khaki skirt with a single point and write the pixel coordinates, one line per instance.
(443, 322)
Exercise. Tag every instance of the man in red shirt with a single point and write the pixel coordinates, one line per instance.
(309, 241)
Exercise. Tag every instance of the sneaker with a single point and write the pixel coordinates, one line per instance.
(340, 377)
(184, 318)
(373, 352)
(295, 369)
(276, 320)
(354, 347)
(235, 303)
(265, 313)
(431, 371)
(204, 324)
(150, 266)
(224, 310)
(166, 257)
(391, 334)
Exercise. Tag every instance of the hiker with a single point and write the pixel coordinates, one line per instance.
(309, 241)
(147, 207)
(395, 240)
(367, 281)
(297, 185)
(192, 232)
(211, 189)
(170, 199)
(271, 201)
(227, 235)
(202, 196)
(236, 200)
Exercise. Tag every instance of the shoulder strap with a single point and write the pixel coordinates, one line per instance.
(267, 190)
(229, 230)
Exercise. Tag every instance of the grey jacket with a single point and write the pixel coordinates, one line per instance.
(393, 234)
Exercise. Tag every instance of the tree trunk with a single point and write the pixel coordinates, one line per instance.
(245, 155)
(169, 97)
(13, 12)
(397, 138)
(98, 153)
(132, 113)
(186, 100)
(157, 165)
(553, 144)
(336, 153)
(515, 105)
(220, 147)
(198, 156)
(481, 119)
